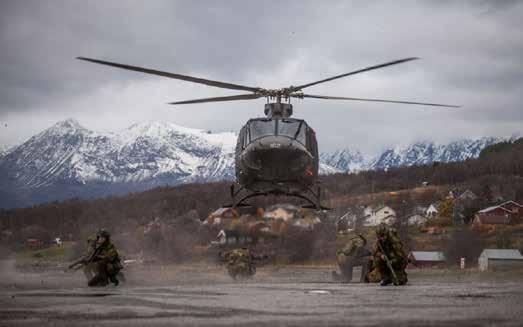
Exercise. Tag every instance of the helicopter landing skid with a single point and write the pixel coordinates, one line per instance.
(313, 198)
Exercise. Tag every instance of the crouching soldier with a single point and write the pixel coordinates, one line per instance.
(389, 258)
(240, 262)
(106, 261)
(355, 253)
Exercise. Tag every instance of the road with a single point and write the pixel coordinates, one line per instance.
(275, 297)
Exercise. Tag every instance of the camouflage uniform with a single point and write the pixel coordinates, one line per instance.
(89, 268)
(107, 263)
(353, 254)
(240, 263)
(393, 248)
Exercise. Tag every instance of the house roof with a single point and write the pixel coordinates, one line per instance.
(493, 208)
(427, 255)
(510, 202)
(466, 193)
(503, 254)
(221, 211)
(492, 219)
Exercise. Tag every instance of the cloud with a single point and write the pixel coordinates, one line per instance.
(471, 55)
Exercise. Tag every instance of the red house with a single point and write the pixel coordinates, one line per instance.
(494, 211)
(516, 209)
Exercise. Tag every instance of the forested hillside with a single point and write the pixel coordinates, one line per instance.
(497, 173)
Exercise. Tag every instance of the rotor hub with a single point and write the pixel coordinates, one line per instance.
(278, 110)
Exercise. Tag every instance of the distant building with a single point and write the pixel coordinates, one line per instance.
(377, 215)
(422, 259)
(284, 212)
(467, 195)
(485, 220)
(500, 259)
(495, 211)
(432, 211)
(417, 219)
(516, 209)
(221, 214)
(503, 214)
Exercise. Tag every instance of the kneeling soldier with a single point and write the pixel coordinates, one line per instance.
(353, 254)
(106, 261)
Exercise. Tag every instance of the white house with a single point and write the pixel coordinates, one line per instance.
(422, 259)
(432, 211)
(417, 219)
(500, 259)
(377, 215)
(284, 212)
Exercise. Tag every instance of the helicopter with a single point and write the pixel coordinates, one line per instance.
(275, 154)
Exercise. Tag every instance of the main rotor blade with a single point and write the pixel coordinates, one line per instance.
(173, 75)
(395, 62)
(373, 100)
(217, 99)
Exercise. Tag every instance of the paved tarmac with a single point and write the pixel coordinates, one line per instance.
(275, 297)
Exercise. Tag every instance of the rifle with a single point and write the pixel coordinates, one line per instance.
(389, 264)
(86, 259)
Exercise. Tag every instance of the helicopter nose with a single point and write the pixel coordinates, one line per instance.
(274, 153)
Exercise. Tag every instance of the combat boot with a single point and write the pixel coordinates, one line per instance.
(385, 282)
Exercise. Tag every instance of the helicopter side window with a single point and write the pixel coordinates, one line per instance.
(292, 129)
(261, 128)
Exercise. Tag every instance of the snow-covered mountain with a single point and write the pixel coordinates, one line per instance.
(67, 153)
(422, 153)
(419, 153)
(68, 160)
(344, 160)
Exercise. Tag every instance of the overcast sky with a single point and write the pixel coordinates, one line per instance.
(472, 55)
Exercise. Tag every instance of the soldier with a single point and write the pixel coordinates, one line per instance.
(240, 262)
(106, 261)
(390, 259)
(353, 254)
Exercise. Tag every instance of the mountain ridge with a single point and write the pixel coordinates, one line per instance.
(72, 160)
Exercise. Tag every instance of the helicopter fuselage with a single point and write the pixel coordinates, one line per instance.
(277, 155)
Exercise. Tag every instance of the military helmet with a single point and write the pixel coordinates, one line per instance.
(103, 233)
(382, 230)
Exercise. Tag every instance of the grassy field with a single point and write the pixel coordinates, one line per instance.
(55, 253)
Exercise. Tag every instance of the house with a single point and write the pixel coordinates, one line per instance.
(467, 195)
(432, 211)
(485, 220)
(416, 219)
(218, 216)
(377, 215)
(284, 212)
(516, 209)
(495, 211)
(422, 259)
(500, 259)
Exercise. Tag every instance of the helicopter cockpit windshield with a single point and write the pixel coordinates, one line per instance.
(295, 129)
(292, 128)
(262, 127)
